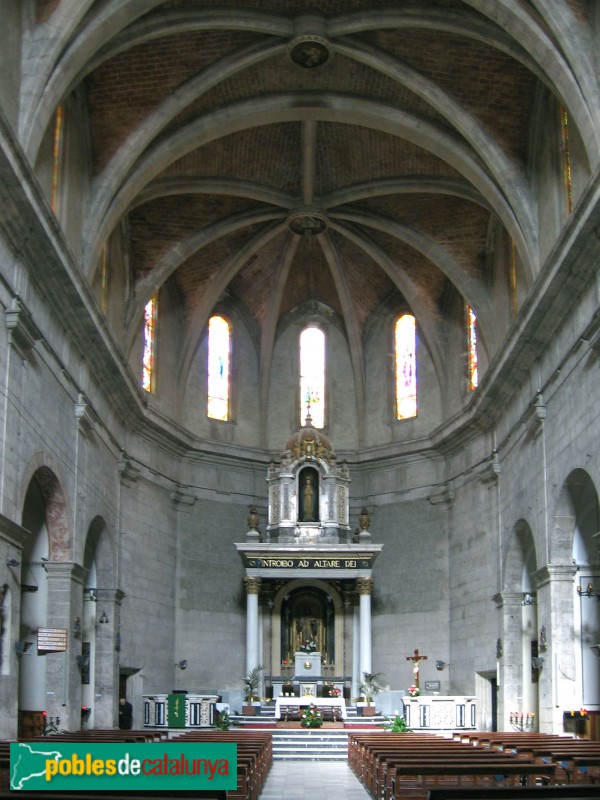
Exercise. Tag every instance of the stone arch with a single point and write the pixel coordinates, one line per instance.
(329, 590)
(60, 539)
(520, 558)
(99, 672)
(576, 511)
(99, 550)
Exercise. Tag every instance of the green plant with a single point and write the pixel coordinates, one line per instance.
(311, 718)
(371, 685)
(251, 682)
(224, 722)
(396, 725)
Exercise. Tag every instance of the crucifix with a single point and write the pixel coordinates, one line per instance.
(415, 658)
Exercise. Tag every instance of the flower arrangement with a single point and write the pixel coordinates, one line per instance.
(308, 647)
(413, 691)
(311, 718)
(335, 692)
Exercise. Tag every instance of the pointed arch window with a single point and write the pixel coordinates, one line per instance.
(472, 359)
(405, 366)
(312, 376)
(219, 361)
(148, 357)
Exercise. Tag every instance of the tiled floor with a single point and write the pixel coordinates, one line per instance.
(314, 780)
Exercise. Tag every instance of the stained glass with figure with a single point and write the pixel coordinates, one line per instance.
(219, 350)
(312, 376)
(148, 358)
(406, 367)
(472, 366)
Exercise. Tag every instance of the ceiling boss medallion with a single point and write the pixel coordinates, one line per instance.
(309, 222)
(310, 51)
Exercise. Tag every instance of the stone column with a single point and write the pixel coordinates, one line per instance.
(510, 605)
(364, 587)
(65, 605)
(356, 676)
(558, 678)
(108, 647)
(252, 590)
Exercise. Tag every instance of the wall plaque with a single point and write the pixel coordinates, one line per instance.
(51, 640)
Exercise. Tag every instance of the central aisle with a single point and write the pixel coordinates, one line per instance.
(307, 780)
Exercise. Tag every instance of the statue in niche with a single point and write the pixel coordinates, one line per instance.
(307, 632)
(309, 496)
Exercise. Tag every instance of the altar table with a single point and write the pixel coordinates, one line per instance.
(307, 700)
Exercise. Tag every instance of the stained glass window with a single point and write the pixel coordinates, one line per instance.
(219, 347)
(148, 358)
(472, 365)
(406, 367)
(567, 159)
(312, 376)
(57, 146)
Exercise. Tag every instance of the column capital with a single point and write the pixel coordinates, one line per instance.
(508, 599)
(364, 585)
(252, 585)
(554, 572)
(66, 569)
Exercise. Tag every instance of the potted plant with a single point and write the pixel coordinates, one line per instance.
(369, 688)
(250, 685)
(223, 721)
(396, 725)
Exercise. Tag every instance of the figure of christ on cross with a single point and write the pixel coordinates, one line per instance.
(415, 658)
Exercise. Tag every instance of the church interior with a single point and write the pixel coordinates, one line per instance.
(300, 354)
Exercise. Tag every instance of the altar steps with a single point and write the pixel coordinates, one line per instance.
(310, 744)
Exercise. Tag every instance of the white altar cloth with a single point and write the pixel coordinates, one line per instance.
(328, 702)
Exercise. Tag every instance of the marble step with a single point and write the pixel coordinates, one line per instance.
(310, 745)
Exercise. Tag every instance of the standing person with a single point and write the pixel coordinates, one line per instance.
(125, 714)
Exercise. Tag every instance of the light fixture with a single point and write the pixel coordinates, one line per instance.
(91, 593)
(589, 591)
(77, 628)
(595, 648)
(527, 599)
(103, 618)
(439, 664)
(22, 648)
(181, 664)
(12, 562)
(537, 662)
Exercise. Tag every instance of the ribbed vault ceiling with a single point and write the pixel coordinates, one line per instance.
(352, 153)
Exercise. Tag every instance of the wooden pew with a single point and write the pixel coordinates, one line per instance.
(255, 758)
(516, 793)
(418, 779)
(404, 765)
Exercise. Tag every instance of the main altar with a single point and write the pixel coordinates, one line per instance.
(308, 576)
